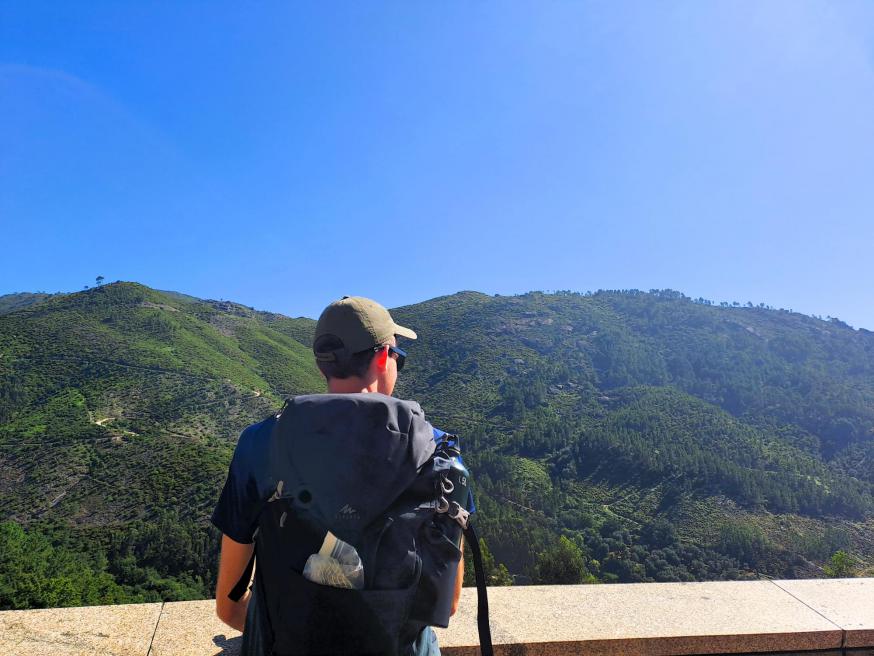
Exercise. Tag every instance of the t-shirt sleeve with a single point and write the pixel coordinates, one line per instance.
(236, 514)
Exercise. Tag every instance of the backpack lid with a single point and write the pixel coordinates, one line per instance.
(344, 458)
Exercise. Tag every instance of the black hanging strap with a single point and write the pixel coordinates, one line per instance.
(482, 598)
(241, 586)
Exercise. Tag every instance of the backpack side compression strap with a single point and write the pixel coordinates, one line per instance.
(482, 598)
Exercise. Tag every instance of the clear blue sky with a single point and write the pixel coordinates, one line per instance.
(284, 154)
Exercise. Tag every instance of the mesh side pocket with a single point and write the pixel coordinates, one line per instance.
(436, 590)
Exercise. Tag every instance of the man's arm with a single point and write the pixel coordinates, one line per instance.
(459, 580)
(234, 558)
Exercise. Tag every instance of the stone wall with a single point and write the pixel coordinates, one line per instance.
(822, 617)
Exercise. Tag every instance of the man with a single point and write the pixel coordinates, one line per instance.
(355, 347)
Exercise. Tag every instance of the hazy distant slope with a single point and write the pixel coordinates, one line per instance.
(300, 329)
(13, 302)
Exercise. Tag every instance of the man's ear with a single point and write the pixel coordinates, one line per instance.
(381, 359)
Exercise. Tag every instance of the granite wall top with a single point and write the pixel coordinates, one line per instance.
(645, 619)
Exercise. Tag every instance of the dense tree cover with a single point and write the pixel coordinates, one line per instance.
(562, 562)
(47, 566)
(669, 437)
(496, 573)
(613, 436)
(34, 573)
(839, 566)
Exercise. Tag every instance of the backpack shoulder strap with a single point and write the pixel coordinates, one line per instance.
(482, 597)
(447, 444)
(242, 585)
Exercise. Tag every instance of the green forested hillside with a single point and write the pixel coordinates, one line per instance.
(746, 431)
(616, 436)
(119, 408)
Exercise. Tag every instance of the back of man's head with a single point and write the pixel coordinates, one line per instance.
(348, 333)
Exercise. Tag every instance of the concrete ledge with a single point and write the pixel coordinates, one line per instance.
(651, 619)
(192, 627)
(658, 619)
(110, 630)
(847, 602)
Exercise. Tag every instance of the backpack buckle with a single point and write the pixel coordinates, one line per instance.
(458, 513)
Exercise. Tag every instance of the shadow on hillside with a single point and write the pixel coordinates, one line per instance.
(228, 646)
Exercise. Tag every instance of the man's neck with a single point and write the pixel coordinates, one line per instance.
(350, 385)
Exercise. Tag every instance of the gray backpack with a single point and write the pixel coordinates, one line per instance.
(367, 468)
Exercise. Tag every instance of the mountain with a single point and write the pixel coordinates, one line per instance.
(636, 436)
(628, 409)
(125, 388)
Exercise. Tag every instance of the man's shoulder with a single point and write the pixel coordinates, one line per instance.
(258, 430)
(252, 446)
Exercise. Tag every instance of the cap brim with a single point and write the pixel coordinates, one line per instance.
(404, 332)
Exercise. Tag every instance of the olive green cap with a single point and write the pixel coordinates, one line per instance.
(358, 323)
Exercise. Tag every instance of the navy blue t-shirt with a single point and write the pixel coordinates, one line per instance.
(249, 484)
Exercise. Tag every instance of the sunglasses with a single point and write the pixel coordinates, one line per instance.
(394, 351)
(401, 355)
